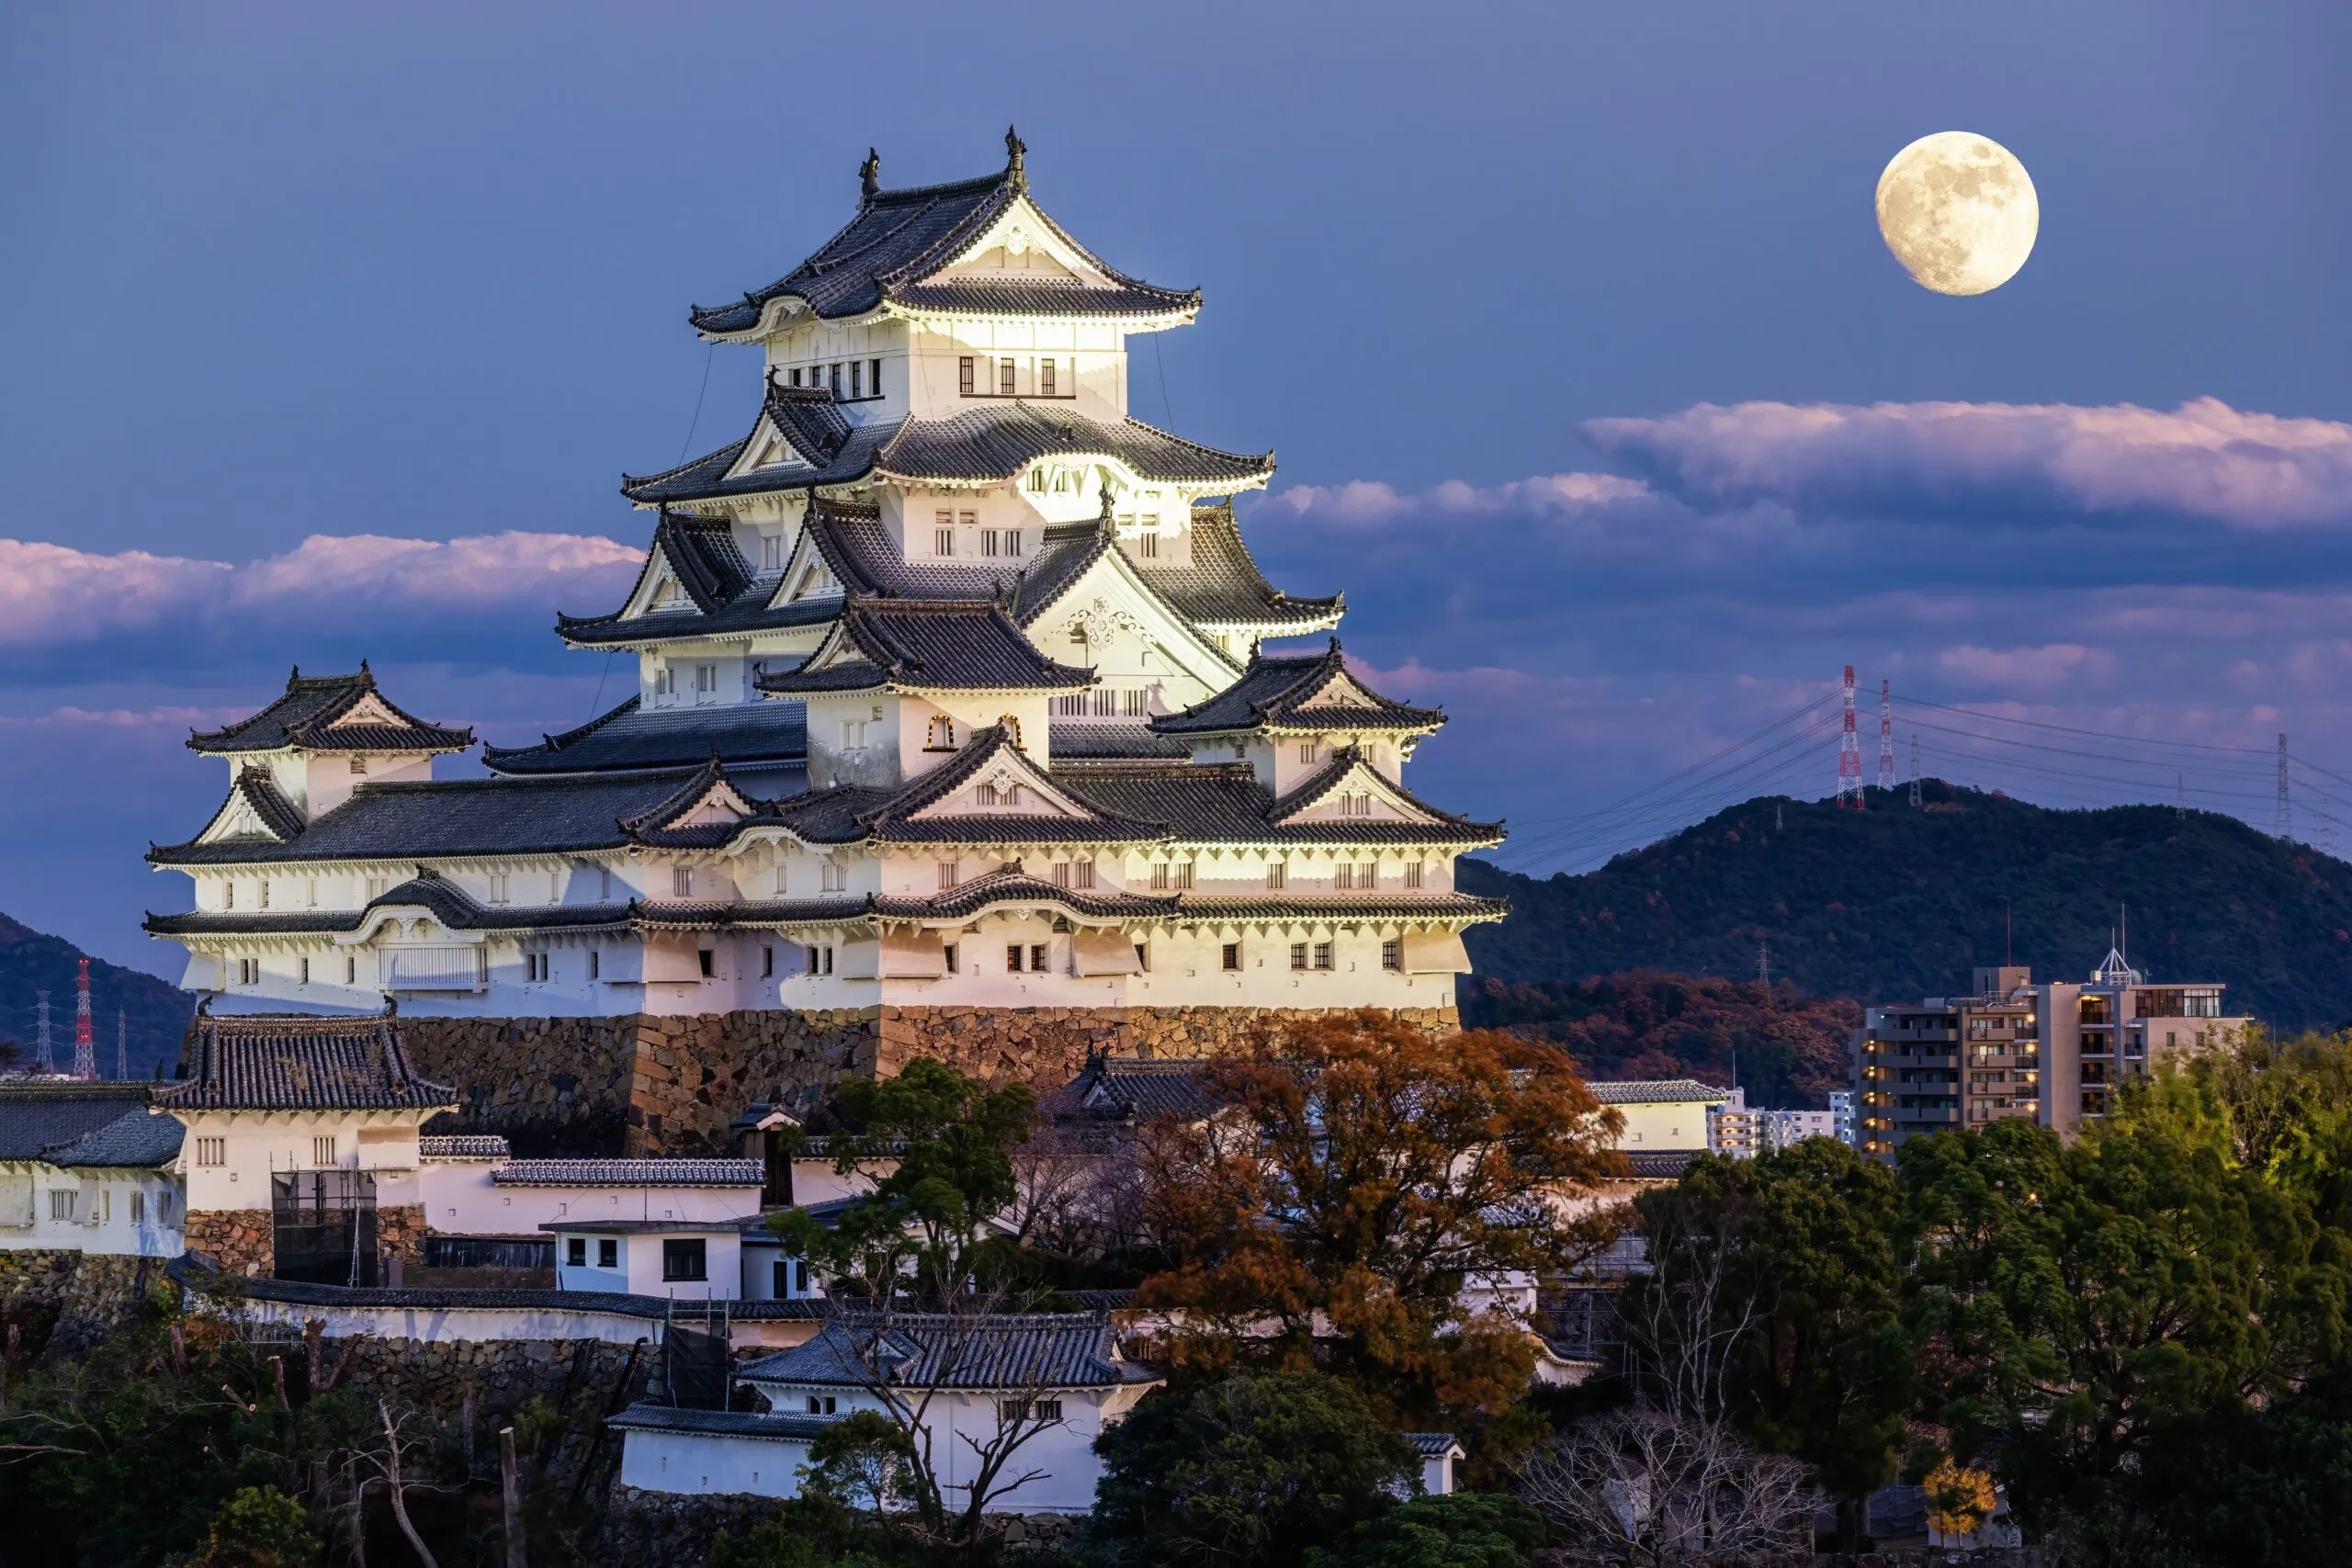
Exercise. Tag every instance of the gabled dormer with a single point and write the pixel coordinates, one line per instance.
(326, 735)
(1350, 796)
(255, 812)
(995, 789)
(1289, 716)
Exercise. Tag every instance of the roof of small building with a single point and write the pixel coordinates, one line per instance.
(1435, 1444)
(926, 646)
(1281, 693)
(948, 1351)
(630, 1173)
(300, 1062)
(1655, 1091)
(902, 239)
(650, 1227)
(42, 1114)
(313, 715)
(137, 1139)
(1657, 1164)
(1130, 1088)
(463, 1146)
(774, 1427)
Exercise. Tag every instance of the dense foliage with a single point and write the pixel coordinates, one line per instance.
(1784, 1047)
(1895, 902)
(1362, 1176)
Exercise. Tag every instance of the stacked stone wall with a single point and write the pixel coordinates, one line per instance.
(63, 1301)
(399, 1233)
(240, 1241)
(646, 1085)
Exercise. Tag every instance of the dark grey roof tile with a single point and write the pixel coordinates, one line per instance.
(305, 715)
(634, 739)
(37, 1115)
(1275, 692)
(926, 645)
(295, 1062)
(997, 1351)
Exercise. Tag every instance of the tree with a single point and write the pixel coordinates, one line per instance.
(1250, 1468)
(1373, 1200)
(860, 1461)
(1777, 1281)
(1461, 1529)
(1666, 1486)
(924, 1227)
(260, 1526)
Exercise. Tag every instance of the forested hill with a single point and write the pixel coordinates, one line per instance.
(1896, 902)
(155, 1012)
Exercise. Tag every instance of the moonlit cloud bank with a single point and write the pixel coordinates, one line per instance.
(2104, 571)
(53, 595)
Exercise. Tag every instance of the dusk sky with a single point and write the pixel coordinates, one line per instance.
(329, 333)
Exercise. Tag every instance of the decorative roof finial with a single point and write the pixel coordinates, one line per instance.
(1015, 150)
(1104, 522)
(869, 175)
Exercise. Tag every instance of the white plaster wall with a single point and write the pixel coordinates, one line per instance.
(443, 1326)
(1664, 1124)
(695, 1462)
(102, 1220)
(257, 1144)
(640, 1271)
(460, 1198)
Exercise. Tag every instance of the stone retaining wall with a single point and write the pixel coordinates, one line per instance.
(399, 1233)
(645, 1085)
(240, 1241)
(676, 1530)
(63, 1301)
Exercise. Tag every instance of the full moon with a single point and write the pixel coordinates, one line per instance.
(1958, 212)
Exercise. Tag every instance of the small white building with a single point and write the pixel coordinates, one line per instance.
(1063, 1371)
(473, 1188)
(1663, 1113)
(1439, 1451)
(86, 1167)
(695, 1260)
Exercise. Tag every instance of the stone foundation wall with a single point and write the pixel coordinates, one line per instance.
(433, 1377)
(399, 1233)
(62, 1301)
(677, 1528)
(241, 1240)
(644, 1085)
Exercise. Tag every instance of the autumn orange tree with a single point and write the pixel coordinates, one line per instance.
(1354, 1202)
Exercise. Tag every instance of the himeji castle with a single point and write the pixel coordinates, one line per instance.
(955, 692)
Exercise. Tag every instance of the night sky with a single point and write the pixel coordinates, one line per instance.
(328, 335)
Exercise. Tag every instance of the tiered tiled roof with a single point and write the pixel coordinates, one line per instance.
(997, 441)
(926, 646)
(899, 241)
(1224, 803)
(463, 1146)
(1010, 1350)
(1220, 589)
(298, 1061)
(630, 1173)
(305, 715)
(1281, 692)
(634, 738)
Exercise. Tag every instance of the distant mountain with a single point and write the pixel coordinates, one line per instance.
(154, 1011)
(1784, 1047)
(1898, 902)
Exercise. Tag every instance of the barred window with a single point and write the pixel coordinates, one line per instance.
(1323, 955)
(1413, 873)
(1159, 876)
(942, 542)
(856, 379)
(213, 1151)
(1045, 377)
(1005, 377)
(874, 379)
(323, 1150)
(1392, 954)
(1298, 955)
(1277, 874)
(682, 881)
(1232, 956)
(1037, 958)
(1013, 951)
(1183, 874)
(1344, 876)
(948, 874)
(966, 376)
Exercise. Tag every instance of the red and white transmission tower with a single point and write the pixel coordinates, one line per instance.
(1885, 738)
(85, 1046)
(1849, 753)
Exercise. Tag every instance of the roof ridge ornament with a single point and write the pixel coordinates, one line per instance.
(1016, 153)
(869, 177)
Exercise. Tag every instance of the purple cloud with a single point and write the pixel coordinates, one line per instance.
(53, 594)
(2203, 461)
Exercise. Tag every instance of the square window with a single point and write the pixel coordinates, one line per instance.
(1061, 873)
(359, 766)
(1368, 876)
(1037, 958)
(682, 881)
(1013, 541)
(1183, 874)
(575, 1251)
(323, 1151)
(1322, 956)
(1392, 954)
(949, 874)
(1298, 955)
(1344, 876)
(684, 1257)
(608, 1253)
(1413, 873)
(1082, 874)
(1013, 958)
(1160, 875)
(1232, 956)
(1277, 874)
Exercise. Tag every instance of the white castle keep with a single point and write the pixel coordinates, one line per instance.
(952, 692)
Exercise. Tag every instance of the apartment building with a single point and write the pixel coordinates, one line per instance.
(2012, 1048)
